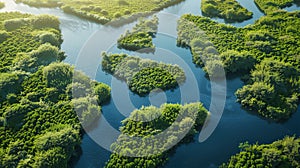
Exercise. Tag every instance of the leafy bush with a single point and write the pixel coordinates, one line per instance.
(3, 36)
(49, 37)
(52, 157)
(210, 9)
(15, 114)
(102, 91)
(58, 75)
(117, 15)
(87, 110)
(273, 90)
(13, 24)
(46, 54)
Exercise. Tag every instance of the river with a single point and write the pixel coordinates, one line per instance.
(236, 125)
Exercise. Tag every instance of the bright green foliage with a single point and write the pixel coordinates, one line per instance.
(273, 91)
(55, 156)
(103, 11)
(34, 115)
(237, 62)
(270, 6)
(150, 79)
(240, 49)
(58, 75)
(282, 153)
(40, 116)
(230, 10)
(143, 75)
(102, 91)
(20, 46)
(140, 38)
(49, 37)
(206, 55)
(178, 124)
(141, 42)
(87, 110)
(63, 136)
(276, 30)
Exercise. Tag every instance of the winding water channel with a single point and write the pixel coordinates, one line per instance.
(236, 124)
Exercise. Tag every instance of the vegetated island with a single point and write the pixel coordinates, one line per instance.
(269, 48)
(100, 11)
(140, 37)
(2, 5)
(177, 123)
(230, 10)
(143, 75)
(42, 109)
(270, 6)
(281, 153)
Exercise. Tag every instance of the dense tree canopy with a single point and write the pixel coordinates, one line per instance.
(281, 153)
(230, 10)
(180, 124)
(273, 84)
(270, 6)
(273, 91)
(143, 75)
(40, 117)
(23, 43)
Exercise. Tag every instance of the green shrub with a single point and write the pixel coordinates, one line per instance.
(49, 37)
(117, 15)
(127, 12)
(58, 75)
(102, 91)
(13, 24)
(9, 83)
(45, 21)
(87, 110)
(3, 36)
(272, 92)
(46, 54)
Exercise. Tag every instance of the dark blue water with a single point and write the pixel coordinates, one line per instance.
(236, 124)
